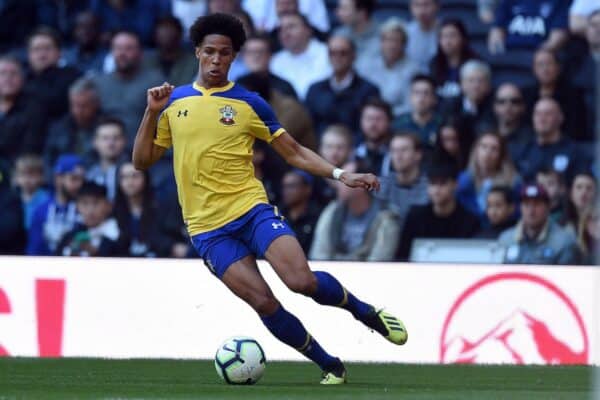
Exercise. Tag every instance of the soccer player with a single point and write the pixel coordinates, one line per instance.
(211, 125)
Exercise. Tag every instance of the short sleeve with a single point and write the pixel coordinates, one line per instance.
(163, 131)
(263, 122)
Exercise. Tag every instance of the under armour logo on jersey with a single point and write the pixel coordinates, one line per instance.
(182, 112)
(277, 225)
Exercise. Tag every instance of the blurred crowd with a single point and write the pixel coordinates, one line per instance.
(479, 117)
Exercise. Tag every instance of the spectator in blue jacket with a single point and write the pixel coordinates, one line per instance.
(53, 219)
(337, 99)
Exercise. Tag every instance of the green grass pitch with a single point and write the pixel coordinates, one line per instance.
(24, 378)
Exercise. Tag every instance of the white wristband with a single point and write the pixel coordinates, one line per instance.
(337, 173)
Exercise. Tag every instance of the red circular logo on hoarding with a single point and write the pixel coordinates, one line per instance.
(516, 318)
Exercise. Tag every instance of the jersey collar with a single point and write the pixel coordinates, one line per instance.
(208, 92)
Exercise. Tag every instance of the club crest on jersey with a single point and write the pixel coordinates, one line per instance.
(227, 114)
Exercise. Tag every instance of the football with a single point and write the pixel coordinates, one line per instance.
(240, 360)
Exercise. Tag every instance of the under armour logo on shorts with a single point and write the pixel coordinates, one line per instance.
(277, 225)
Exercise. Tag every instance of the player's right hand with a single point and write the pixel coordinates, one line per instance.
(158, 96)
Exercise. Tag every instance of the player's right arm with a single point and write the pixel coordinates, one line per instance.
(145, 151)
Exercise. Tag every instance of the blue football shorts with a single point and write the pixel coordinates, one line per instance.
(252, 233)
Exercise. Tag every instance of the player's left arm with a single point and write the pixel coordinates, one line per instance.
(303, 158)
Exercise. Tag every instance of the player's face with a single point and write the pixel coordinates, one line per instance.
(131, 180)
(11, 79)
(583, 191)
(498, 209)
(42, 53)
(216, 55)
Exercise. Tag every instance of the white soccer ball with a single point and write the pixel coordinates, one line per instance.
(240, 360)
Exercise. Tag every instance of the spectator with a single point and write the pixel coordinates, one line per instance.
(267, 13)
(135, 209)
(354, 228)
(51, 220)
(137, 16)
(408, 185)
(87, 53)
(453, 51)
(357, 24)
(269, 169)
(582, 196)
(289, 112)
(23, 121)
(550, 147)
(444, 217)
(47, 80)
(586, 75)
(303, 59)
(336, 148)
(173, 227)
(60, 15)
(536, 239)
(123, 92)
(223, 6)
(109, 144)
(257, 54)
(178, 65)
(554, 184)
(17, 19)
(375, 121)
(422, 119)
(486, 9)
(588, 236)
(12, 228)
(98, 234)
(509, 119)
(489, 165)
(29, 181)
(529, 24)
(392, 69)
(337, 99)
(499, 211)
(550, 83)
(74, 132)
(453, 143)
(475, 103)
(300, 211)
(579, 12)
(422, 32)
(283, 7)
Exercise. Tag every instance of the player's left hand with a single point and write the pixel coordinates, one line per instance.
(366, 181)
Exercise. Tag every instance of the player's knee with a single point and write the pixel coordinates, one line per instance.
(264, 304)
(305, 284)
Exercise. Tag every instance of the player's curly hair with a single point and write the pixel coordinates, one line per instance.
(218, 24)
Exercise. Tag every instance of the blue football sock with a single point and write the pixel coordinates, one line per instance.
(331, 293)
(287, 328)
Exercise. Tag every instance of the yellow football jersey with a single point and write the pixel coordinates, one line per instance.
(212, 132)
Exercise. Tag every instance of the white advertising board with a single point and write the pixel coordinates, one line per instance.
(139, 308)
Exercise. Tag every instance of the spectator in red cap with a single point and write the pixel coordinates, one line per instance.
(536, 239)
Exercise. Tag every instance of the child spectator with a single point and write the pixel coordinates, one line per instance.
(98, 234)
(500, 212)
(29, 180)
